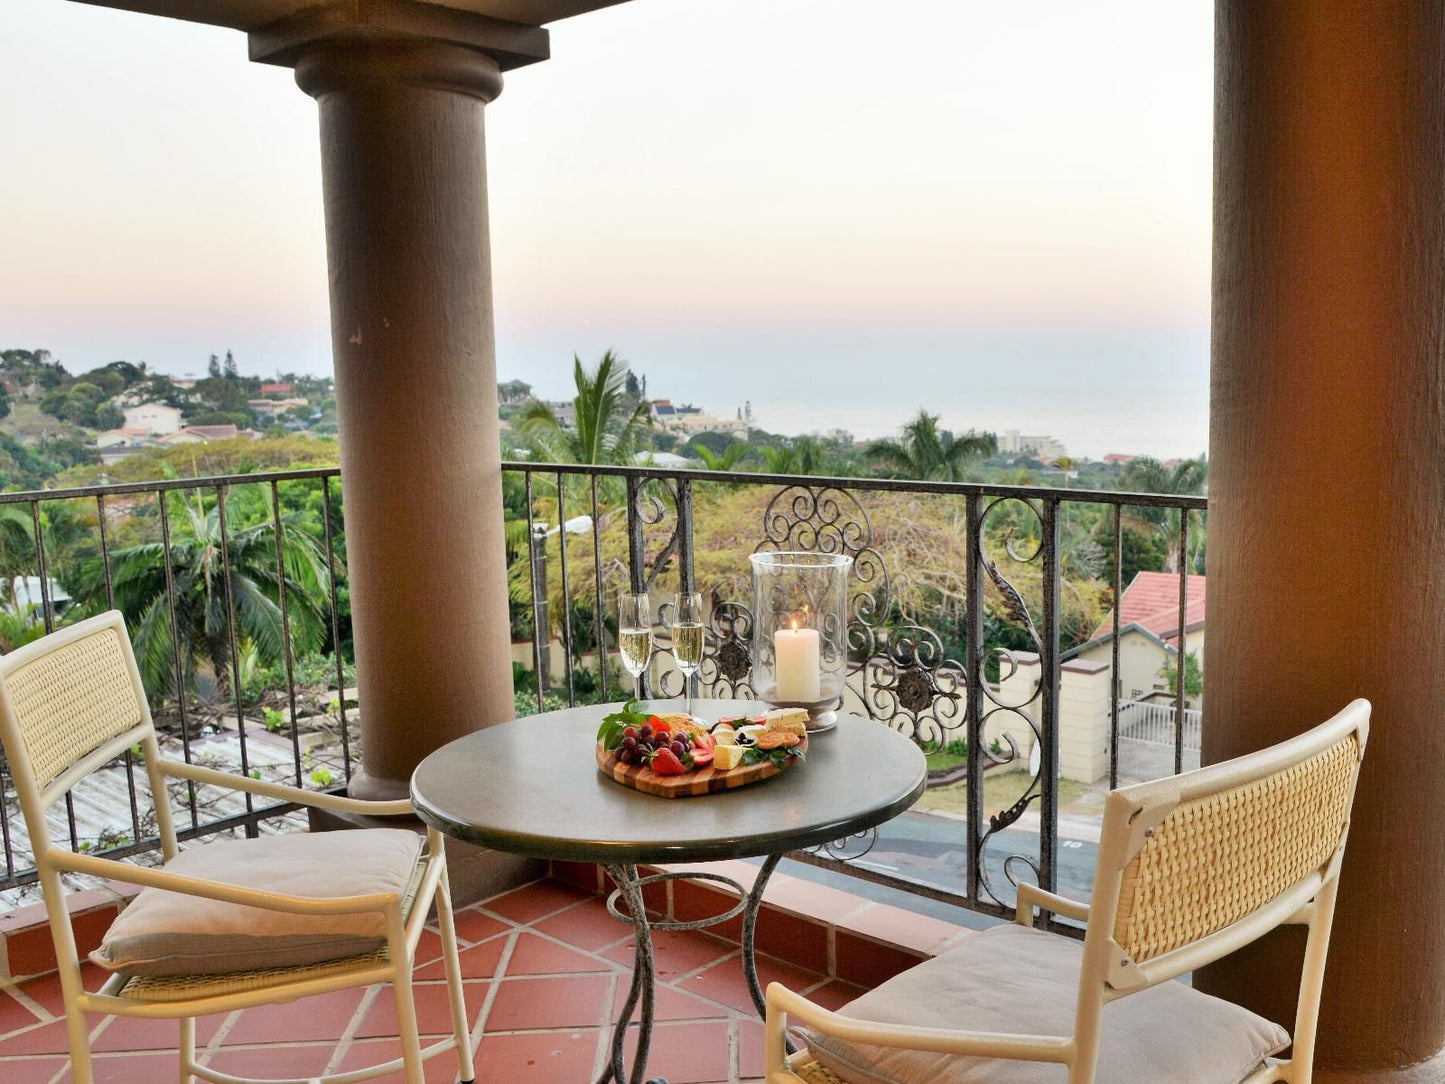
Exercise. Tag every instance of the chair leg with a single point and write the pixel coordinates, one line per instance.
(466, 1073)
(79, 1036)
(188, 1049)
(407, 1028)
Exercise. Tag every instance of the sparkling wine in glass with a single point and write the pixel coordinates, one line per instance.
(634, 634)
(687, 637)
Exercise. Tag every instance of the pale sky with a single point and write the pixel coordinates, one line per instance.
(997, 211)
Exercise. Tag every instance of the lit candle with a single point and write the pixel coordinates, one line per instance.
(797, 666)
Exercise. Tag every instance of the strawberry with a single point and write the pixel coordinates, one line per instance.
(700, 758)
(665, 762)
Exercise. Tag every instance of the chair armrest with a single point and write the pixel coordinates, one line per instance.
(336, 803)
(1031, 897)
(986, 1044)
(218, 890)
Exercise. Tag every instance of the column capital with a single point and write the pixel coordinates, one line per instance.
(347, 24)
(337, 65)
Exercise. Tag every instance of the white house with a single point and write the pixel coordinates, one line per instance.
(115, 444)
(202, 434)
(1149, 633)
(156, 419)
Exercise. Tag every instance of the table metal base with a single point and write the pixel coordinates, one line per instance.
(644, 974)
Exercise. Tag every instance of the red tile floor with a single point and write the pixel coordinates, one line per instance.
(546, 969)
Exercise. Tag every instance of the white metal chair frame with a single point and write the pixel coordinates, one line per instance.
(1132, 816)
(404, 926)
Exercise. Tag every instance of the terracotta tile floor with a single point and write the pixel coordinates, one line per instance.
(546, 970)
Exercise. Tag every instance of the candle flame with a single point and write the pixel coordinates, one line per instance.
(795, 624)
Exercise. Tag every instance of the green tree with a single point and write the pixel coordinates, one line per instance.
(1186, 478)
(158, 388)
(27, 367)
(219, 395)
(727, 459)
(717, 443)
(82, 403)
(1143, 549)
(609, 429)
(803, 456)
(200, 565)
(211, 417)
(928, 453)
(1193, 675)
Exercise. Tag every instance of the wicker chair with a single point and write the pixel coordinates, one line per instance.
(1189, 869)
(73, 701)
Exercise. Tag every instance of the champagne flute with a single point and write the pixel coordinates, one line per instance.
(634, 634)
(687, 637)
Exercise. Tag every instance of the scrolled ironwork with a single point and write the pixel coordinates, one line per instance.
(912, 685)
(727, 659)
(1026, 709)
(650, 510)
(843, 850)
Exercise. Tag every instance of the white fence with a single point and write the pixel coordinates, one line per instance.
(1146, 740)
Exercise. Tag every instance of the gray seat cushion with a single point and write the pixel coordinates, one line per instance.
(167, 933)
(1021, 981)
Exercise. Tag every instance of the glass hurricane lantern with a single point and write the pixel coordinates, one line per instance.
(800, 631)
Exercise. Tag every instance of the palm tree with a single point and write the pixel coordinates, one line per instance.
(803, 456)
(1187, 478)
(728, 459)
(610, 424)
(200, 566)
(62, 532)
(929, 454)
(1066, 463)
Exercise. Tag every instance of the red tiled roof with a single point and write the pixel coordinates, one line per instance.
(1151, 601)
(1115, 457)
(273, 389)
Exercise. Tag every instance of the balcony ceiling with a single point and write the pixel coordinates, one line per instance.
(249, 15)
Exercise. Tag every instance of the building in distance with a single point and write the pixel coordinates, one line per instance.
(154, 419)
(1012, 442)
(687, 420)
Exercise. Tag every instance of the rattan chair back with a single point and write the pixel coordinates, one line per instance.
(1193, 866)
(1220, 857)
(69, 698)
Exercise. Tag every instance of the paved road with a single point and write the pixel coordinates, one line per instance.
(933, 850)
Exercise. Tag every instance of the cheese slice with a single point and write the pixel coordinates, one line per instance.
(788, 720)
(725, 757)
(725, 735)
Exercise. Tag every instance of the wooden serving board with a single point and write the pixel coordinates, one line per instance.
(689, 784)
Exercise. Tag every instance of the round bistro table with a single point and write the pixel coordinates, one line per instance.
(532, 787)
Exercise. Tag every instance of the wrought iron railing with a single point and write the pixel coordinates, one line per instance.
(174, 556)
(954, 585)
(1001, 565)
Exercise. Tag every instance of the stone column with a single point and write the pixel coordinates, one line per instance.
(404, 169)
(1327, 487)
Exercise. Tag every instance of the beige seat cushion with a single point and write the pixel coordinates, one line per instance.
(167, 933)
(1018, 980)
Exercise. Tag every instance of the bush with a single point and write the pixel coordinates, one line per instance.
(315, 673)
